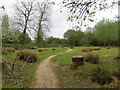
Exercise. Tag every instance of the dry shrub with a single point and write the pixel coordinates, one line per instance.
(92, 58)
(4, 51)
(7, 49)
(117, 58)
(34, 47)
(97, 48)
(40, 50)
(45, 49)
(28, 56)
(102, 75)
(71, 47)
(107, 47)
(86, 50)
(53, 49)
(10, 49)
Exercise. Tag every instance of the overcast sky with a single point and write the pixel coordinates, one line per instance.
(59, 25)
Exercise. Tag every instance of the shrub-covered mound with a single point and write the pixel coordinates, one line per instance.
(28, 56)
(5, 50)
(92, 58)
(40, 50)
(86, 50)
(102, 75)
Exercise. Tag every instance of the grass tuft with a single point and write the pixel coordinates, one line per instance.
(92, 58)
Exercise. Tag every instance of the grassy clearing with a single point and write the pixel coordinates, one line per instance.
(23, 75)
(81, 77)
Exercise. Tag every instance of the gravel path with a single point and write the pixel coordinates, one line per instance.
(45, 77)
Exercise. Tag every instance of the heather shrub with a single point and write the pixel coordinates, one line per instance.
(45, 49)
(10, 49)
(86, 50)
(71, 47)
(53, 49)
(102, 75)
(28, 56)
(33, 47)
(117, 58)
(92, 58)
(5, 50)
(40, 50)
(107, 47)
(97, 48)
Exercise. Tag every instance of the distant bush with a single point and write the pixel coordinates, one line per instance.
(71, 47)
(97, 48)
(117, 58)
(107, 47)
(102, 75)
(5, 50)
(53, 49)
(15, 46)
(33, 47)
(45, 49)
(40, 50)
(28, 56)
(92, 58)
(86, 50)
(10, 49)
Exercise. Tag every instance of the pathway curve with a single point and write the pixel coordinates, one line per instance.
(45, 77)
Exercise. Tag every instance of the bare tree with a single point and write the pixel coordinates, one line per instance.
(24, 13)
(43, 9)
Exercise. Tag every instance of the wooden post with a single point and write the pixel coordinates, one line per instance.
(77, 60)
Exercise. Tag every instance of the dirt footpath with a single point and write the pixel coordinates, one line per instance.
(45, 77)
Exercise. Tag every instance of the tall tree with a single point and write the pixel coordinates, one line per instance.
(42, 19)
(67, 33)
(24, 13)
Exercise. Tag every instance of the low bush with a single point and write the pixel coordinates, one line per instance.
(117, 58)
(71, 47)
(102, 75)
(10, 49)
(40, 50)
(86, 50)
(107, 47)
(97, 48)
(5, 50)
(45, 49)
(92, 58)
(28, 56)
(53, 49)
(33, 47)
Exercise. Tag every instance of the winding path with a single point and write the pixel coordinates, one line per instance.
(45, 77)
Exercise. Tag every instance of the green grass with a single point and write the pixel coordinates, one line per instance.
(26, 75)
(81, 77)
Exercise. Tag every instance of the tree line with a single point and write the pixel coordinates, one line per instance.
(31, 20)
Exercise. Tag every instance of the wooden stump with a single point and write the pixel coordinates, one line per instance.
(77, 60)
